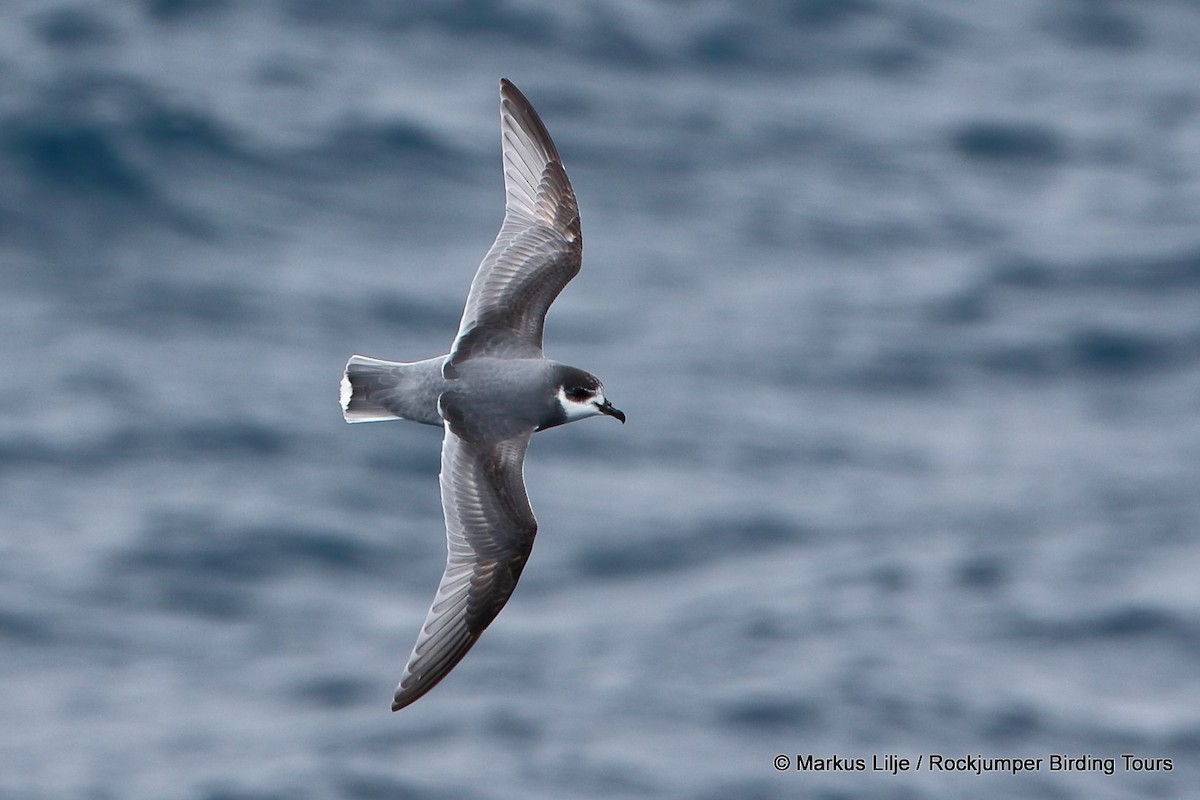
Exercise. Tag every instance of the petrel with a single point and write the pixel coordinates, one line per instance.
(490, 394)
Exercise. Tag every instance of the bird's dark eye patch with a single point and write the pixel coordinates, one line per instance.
(579, 393)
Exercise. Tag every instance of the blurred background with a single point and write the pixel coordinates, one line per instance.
(902, 299)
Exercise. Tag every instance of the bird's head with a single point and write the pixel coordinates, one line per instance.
(580, 394)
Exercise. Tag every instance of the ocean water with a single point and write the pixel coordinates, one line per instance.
(902, 299)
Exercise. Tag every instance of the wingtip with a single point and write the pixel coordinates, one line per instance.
(509, 92)
(403, 698)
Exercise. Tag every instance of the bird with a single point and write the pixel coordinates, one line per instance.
(490, 394)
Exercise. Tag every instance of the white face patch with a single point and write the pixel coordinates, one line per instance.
(579, 409)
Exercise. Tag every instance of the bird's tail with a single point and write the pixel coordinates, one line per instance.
(367, 387)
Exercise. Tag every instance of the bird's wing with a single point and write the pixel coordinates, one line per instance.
(489, 534)
(538, 250)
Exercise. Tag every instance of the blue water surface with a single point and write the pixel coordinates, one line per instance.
(902, 299)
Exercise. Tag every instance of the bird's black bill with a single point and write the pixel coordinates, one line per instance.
(608, 408)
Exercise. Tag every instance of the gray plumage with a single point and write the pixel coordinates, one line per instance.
(490, 393)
